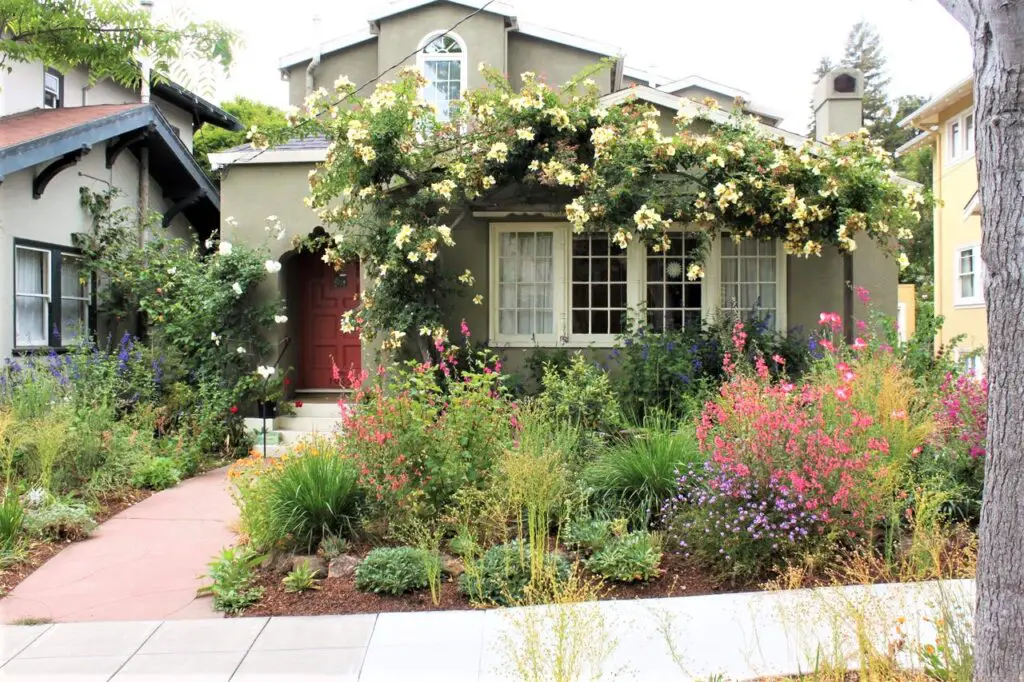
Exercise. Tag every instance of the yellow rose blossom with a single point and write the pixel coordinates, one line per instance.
(478, 299)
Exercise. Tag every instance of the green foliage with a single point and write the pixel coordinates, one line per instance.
(59, 520)
(105, 36)
(301, 500)
(12, 519)
(232, 586)
(333, 546)
(200, 305)
(587, 534)
(633, 557)
(157, 473)
(210, 139)
(634, 477)
(619, 171)
(677, 371)
(392, 570)
(300, 578)
(581, 395)
(502, 575)
(538, 360)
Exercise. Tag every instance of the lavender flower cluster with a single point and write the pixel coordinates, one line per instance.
(738, 524)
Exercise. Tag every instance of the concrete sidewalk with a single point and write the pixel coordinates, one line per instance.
(145, 563)
(738, 636)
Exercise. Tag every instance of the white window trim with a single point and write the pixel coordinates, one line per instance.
(462, 57)
(46, 296)
(713, 283)
(51, 84)
(558, 295)
(978, 300)
(966, 146)
(636, 286)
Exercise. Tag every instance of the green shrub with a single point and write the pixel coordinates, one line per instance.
(232, 579)
(587, 534)
(310, 497)
(392, 570)
(300, 578)
(503, 574)
(581, 395)
(12, 518)
(333, 546)
(634, 477)
(157, 473)
(59, 520)
(630, 558)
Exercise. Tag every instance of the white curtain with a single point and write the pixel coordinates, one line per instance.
(525, 283)
(31, 273)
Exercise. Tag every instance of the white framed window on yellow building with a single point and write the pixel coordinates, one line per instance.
(968, 276)
(960, 136)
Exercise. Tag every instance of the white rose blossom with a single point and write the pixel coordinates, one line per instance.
(272, 266)
(237, 288)
(224, 249)
(265, 372)
(280, 319)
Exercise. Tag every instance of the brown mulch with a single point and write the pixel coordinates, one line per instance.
(41, 551)
(339, 596)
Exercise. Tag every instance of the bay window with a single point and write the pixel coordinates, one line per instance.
(549, 286)
(52, 296)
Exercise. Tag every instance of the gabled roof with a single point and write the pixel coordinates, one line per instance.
(202, 111)
(563, 38)
(40, 136)
(399, 6)
(669, 101)
(928, 113)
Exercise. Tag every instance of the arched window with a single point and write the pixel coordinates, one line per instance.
(442, 59)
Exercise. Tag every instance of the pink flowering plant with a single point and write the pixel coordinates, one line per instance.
(421, 431)
(798, 468)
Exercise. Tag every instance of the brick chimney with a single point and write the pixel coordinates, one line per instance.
(838, 103)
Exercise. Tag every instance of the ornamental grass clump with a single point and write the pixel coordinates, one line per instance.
(798, 469)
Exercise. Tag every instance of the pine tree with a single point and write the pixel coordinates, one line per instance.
(864, 52)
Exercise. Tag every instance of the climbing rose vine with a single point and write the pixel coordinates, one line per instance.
(398, 178)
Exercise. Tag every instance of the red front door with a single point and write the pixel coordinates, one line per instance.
(326, 295)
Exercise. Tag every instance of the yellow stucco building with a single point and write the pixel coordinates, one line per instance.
(947, 123)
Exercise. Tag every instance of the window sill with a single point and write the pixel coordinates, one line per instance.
(968, 304)
(531, 343)
(952, 163)
(22, 351)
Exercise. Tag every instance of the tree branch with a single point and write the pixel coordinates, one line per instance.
(964, 11)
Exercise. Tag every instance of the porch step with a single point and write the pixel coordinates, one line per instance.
(310, 424)
(318, 409)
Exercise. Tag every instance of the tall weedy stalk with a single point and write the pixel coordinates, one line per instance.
(537, 482)
(49, 436)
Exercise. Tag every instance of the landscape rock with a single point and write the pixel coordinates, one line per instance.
(343, 566)
(317, 564)
(452, 566)
(278, 561)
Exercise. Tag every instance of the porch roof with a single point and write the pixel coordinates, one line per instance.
(40, 136)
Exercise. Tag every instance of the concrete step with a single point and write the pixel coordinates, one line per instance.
(272, 450)
(309, 424)
(318, 409)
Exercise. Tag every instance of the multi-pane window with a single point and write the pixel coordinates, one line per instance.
(598, 286)
(526, 283)
(52, 81)
(52, 296)
(968, 283)
(673, 301)
(31, 296)
(551, 286)
(961, 135)
(443, 62)
(75, 298)
(749, 277)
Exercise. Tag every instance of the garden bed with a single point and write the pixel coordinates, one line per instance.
(339, 596)
(41, 551)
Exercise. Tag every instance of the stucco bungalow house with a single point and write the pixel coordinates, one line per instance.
(60, 133)
(543, 285)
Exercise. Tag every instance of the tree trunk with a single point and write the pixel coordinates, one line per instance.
(997, 34)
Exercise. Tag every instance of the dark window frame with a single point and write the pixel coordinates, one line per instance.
(53, 336)
(60, 87)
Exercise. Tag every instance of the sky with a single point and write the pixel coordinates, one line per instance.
(769, 48)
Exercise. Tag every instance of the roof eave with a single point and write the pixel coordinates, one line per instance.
(923, 114)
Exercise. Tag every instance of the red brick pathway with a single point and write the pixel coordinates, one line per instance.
(146, 563)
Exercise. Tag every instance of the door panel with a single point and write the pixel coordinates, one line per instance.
(326, 295)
